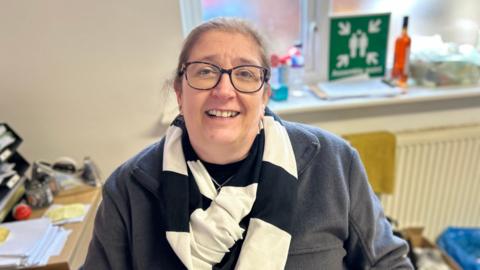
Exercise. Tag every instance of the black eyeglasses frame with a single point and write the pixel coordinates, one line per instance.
(266, 75)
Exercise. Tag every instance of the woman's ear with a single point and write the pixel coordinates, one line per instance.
(178, 92)
(267, 92)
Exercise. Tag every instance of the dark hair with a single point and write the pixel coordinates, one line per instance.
(230, 25)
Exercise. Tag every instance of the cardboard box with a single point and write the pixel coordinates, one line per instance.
(416, 238)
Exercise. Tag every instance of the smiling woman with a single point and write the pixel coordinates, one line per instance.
(232, 186)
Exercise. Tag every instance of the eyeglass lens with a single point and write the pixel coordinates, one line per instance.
(205, 76)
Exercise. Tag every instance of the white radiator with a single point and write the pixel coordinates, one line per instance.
(437, 179)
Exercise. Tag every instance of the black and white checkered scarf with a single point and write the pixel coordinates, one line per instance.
(247, 224)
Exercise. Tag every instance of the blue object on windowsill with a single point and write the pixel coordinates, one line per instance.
(463, 245)
(279, 92)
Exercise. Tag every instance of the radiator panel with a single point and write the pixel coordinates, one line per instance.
(437, 179)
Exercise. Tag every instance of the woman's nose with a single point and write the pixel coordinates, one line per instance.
(224, 87)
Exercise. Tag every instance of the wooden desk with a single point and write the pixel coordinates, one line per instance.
(75, 249)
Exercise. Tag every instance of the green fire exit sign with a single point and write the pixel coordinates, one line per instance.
(358, 44)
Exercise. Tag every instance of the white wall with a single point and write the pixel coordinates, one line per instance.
(83, 77)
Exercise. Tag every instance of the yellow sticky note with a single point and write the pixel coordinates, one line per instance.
(66, 212)
(4, 232)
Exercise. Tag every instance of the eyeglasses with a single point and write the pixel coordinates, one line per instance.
(205, 76)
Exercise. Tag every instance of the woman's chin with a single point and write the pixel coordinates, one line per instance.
(223, 138)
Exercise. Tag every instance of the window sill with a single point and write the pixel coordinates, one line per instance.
(420, 108)
(311, 103)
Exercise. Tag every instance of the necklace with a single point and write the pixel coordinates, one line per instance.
(219, 186)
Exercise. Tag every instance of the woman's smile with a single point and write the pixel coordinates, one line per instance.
(216, 113)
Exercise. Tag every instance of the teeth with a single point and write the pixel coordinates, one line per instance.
(219, 113)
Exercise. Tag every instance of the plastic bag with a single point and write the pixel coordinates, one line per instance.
(463, 245)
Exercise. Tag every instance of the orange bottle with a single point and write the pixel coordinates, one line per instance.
(402, 54)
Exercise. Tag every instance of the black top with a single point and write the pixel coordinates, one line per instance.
(222, 172)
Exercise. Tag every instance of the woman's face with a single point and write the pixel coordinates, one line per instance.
(226, 50)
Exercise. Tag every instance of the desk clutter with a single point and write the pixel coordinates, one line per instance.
(47, 179)
(62, 176)
(13, 168)
(38, 213)
(30, 243)
(67, 213)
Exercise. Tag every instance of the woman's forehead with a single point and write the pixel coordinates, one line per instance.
(218, 58)
(218, 46)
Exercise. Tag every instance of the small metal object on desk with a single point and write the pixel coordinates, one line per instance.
(38, 194)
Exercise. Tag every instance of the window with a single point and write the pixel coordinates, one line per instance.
(279, 20)
(285, 21)
(456, 21)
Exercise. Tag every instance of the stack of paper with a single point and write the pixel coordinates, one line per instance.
(61, 214)
(31, 243)
(7, 170)
(6, 138)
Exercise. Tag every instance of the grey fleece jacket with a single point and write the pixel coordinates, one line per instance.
(339, 223)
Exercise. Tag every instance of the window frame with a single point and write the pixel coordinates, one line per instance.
(315, 36)
(191, 15)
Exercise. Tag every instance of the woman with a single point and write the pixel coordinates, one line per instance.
(232, 186)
